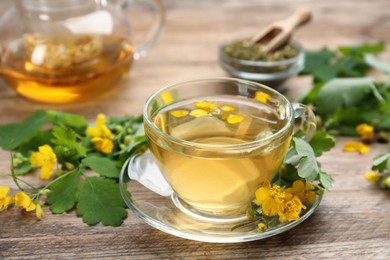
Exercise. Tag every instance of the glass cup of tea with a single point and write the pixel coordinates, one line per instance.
(217, 140)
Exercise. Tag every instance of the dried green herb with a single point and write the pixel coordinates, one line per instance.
(241, 49)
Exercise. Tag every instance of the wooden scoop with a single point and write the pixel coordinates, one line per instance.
(279, 32)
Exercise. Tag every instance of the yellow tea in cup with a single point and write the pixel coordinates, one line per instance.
(217, 140)
(208, 162)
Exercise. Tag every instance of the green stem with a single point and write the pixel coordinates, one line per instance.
(13, 174)
(59, 178)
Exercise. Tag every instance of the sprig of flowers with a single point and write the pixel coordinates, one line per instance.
(295, 187)
(80, 164)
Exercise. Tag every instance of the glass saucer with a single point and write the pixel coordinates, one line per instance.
(161, 209)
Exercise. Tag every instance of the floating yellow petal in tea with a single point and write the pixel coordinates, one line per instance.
(166, 97)
(198, 112)
(205, 105)
(262, 97)
(234, 119)
(179, 113)
(228, 108)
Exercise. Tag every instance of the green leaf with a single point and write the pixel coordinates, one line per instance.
(99, 200)
(344, 93)
(24, 168)
(12, 135)
(65, 136)
(307, 167)
(72, 120)
(102, 165)
(38, 139)
(377, 63)
(315, 60)
(362, 49)
(321, 142)
(325, 180)
(381, 163)
(62, 195)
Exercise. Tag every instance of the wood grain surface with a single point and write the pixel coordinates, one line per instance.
(352, 221)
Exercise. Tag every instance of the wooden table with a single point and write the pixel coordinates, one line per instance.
(351, 222)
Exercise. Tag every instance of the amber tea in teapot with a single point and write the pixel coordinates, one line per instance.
(88, 66)
(67, 50)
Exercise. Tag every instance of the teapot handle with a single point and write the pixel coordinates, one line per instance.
(150, 38)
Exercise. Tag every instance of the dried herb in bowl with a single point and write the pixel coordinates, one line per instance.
(241, 49)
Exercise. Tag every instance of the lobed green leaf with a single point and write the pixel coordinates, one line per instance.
(99, 200)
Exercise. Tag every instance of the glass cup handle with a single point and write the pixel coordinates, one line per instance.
(151, 37)
(308, 120)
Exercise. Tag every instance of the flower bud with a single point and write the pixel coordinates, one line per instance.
(118, 128)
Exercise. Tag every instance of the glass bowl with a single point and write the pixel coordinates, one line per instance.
(271, 73)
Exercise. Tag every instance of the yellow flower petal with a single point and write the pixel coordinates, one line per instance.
(356, 147)
(262, 97)
(23, 200)
(372, 176)
(92, 131)
(205, 105)
(37, 159)
(8, 200)
(262, 194)
(166, 97)
(101, 119)
(3, 192)
(46, 171)
(270, 207)
(290, 210)
(103, 145)
(45, 158)
(234, 119)
(365, 131)
(179, 113)
(105, 132)
(198, 113)
(228, 109)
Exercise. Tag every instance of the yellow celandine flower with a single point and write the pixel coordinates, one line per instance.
(366, 132)
(275, 200)
(270, 198)
(101, 130)
(304, 191)
(262, 97)
(102, 135)
(356, 147)
(290, 210)
(23, 200)
(5, 200)
(103, 145)
(205, 105)
(179, 113)
(46, 159)
(372, 176)
(234, 119)
(198, 112)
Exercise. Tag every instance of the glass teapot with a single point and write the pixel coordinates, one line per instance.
(61, 51)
